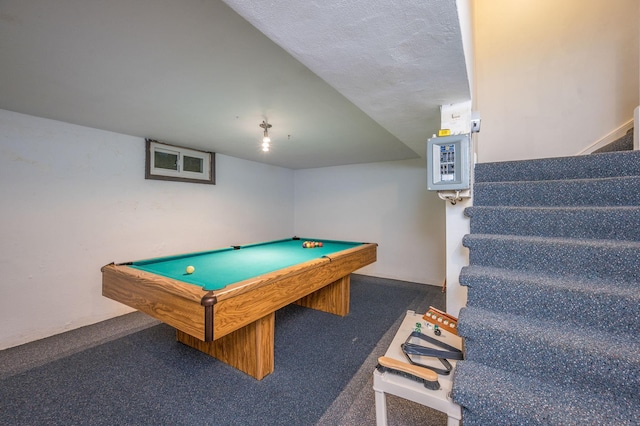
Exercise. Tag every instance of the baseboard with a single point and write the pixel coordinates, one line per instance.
(611, 137)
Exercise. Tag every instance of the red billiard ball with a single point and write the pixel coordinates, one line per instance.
(320, 244)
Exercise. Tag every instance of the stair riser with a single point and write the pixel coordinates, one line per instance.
(621, 224)
(559, 193)
(604, 312)
(598, 261)
(557, 362)
(578, 167)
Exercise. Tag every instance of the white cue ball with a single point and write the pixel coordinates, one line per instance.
(190, 269)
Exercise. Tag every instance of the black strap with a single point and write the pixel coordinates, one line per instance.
(449, 352)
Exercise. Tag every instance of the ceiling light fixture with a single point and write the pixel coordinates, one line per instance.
(266, 140)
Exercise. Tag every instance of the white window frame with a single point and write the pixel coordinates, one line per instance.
(152, 172)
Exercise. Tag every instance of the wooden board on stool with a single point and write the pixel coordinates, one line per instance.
(442, 319)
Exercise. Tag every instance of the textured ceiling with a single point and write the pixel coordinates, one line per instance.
(341, 82)
(397, 61)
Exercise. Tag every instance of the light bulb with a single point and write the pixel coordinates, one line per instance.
(265, 148)
(266, 139)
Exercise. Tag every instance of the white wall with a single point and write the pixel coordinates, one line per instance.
(386, 203)
(553, 76)
(465, 17)
(75, 199)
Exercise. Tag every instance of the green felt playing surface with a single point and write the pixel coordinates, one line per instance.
(218, 268)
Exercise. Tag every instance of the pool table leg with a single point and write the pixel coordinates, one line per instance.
(249, 349)
(332, 298)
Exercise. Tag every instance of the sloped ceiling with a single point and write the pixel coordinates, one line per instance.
(341, 82)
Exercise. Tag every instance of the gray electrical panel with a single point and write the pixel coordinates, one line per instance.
(448, 163)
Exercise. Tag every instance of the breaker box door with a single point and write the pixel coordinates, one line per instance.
(448, 163)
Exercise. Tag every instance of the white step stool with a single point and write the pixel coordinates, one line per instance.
(394, 384)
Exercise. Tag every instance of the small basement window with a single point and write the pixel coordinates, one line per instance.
(170, 162)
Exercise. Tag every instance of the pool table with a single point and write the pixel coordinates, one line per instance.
(226, 306)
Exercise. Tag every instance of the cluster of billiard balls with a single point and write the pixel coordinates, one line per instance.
(311, 244)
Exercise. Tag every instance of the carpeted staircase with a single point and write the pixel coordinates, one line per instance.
(552, 324)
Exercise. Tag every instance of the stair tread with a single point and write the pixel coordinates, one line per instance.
(555, 240)
(580, 180)
(551, 350)
(617, 223)
(495, 396)
(583, 166)
(617, 191)
(612, 305)
(550, 282)
(552, 333)
(547, 350)
(553, 208)
(613, 259)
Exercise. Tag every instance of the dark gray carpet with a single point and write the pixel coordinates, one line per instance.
(148, 378)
